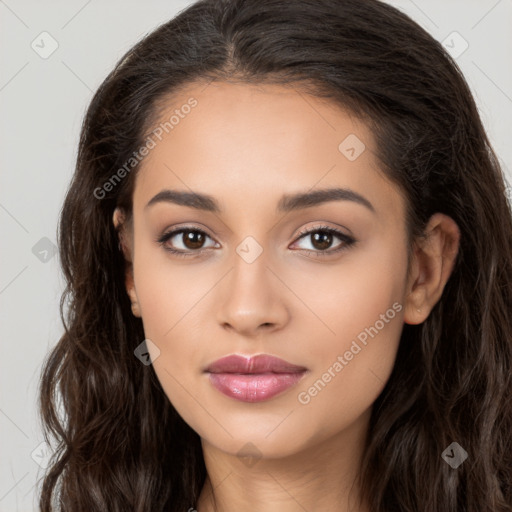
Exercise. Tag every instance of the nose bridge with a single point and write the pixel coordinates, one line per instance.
(249, 280)
(250, 265)
(252, 294)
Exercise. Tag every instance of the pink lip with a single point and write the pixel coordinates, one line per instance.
(253, 379)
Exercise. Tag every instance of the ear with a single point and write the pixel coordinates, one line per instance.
(126, 246)
(433, 262)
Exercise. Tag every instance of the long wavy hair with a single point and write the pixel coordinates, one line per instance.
(121, 445)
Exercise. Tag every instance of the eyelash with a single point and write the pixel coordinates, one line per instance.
(347, 241)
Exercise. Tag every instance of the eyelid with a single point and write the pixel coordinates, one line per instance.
(176, 230)
(347, 240)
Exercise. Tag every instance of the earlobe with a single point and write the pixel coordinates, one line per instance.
(130, 289)
(434, 259)
(117, 218)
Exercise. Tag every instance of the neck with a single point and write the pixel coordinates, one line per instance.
(323, 476)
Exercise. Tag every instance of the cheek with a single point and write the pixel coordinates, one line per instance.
(374, 312)
(351, 295)
(364, 311)
(168, 291)
(174, 302)
(354, 374)
(170, 298)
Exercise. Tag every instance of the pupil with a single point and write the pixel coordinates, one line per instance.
(323, 239)
(193, 239)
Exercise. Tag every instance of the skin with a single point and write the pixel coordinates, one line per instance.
(246, 146)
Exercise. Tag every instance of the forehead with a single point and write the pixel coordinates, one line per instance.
(250, 144)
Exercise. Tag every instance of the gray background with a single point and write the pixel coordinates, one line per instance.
(42, 102)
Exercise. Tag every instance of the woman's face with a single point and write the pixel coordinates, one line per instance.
(249, 281)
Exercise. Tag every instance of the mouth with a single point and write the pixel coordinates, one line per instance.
(254, 379)
(261, 363)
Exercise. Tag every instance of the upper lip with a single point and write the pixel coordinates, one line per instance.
(261, 363)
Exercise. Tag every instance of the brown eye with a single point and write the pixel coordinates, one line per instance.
(321, 240)
(323, 237)
(193, 239)
(189, 241)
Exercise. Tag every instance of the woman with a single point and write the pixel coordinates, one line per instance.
(288, 254)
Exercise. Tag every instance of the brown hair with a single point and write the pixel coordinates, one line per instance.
(121, 444)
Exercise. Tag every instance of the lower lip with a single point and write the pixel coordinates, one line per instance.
(255, 387)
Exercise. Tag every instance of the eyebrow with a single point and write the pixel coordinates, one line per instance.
(287, 203)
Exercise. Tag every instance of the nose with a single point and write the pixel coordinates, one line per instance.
(252, 299)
